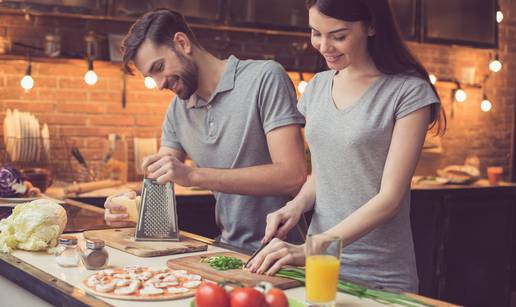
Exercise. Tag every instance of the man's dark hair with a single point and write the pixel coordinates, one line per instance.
(159, 26)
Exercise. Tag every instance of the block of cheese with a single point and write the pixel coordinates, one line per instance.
(132, 206)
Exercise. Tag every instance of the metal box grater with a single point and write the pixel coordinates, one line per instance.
(157, 219)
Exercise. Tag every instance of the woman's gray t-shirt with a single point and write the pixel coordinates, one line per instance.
(349, 148)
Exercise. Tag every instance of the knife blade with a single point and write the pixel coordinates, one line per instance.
(255, 253)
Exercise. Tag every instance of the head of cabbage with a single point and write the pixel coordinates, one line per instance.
(32, 226)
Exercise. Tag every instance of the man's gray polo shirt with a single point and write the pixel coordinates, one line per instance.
(229, 131)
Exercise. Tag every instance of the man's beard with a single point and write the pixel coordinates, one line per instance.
(189, 76)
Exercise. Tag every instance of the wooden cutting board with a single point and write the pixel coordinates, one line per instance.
(123, 239)
(194, 265)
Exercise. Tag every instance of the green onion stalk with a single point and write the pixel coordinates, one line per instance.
(383, 297)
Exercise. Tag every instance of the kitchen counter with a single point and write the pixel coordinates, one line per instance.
(37, 272)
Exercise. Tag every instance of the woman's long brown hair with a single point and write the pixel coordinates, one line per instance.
(389, 52)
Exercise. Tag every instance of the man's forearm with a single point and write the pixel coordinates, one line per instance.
(270, 179)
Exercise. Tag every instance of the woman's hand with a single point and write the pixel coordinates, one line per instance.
(281, 221)
(117, 219)
(275, 255)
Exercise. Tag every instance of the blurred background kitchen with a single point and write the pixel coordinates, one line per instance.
(77, 127)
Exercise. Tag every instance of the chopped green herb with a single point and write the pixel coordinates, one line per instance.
(380, 296)
(223, 263)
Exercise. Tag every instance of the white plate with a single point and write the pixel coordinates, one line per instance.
(23, 135)
(8, 132)
(46, 141)
(16, 136)
(6, 126)
(33, 138)
(38, 139)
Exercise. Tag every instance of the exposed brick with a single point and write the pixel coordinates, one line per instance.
(112, 120)
(149, 120)
(79, 108)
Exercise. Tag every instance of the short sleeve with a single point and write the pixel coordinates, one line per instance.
(306, 97)
(415, 94)
(277, 98)
(168, 133)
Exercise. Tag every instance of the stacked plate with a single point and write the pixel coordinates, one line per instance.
(24, 140)
(143, 147)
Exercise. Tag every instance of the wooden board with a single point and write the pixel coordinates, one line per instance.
(123, 239)
(193, 264)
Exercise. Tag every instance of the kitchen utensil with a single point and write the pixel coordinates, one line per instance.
(91, 186)
(112, 138)
(123, 239)
(158, 214)
(193, 264)
(76, 153)
(255, 253)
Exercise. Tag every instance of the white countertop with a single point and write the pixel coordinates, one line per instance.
(74, 276)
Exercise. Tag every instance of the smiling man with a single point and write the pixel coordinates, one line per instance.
(236, 119)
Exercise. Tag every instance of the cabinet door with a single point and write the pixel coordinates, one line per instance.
(270, 13)
(460, 22)
(425, 213)
(478, 249)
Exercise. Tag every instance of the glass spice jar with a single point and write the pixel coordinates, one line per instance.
(67, 254)
(95, 257)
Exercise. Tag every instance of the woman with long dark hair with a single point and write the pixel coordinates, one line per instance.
(366, 121)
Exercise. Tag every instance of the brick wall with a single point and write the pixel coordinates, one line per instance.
(83, 115)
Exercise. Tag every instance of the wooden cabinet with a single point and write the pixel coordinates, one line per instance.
(464, 241)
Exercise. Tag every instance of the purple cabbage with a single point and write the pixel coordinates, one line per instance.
(11, 183)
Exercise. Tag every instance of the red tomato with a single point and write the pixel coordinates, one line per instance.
(247, 297)
(209, 294)
(276, 298)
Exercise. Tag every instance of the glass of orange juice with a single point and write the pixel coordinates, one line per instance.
(322, 269)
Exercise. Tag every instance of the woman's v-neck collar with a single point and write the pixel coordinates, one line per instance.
(356, 102)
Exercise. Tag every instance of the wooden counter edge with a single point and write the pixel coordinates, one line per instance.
(44, 285)
(431, 301)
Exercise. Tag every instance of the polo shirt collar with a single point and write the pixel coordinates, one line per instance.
(226, 83)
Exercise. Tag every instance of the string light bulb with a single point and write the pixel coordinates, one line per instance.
(499, 13)
(460, 94)
(150, 83)
(90, 77)
(433, 78)
(27, 83)
(495, 65)
(486, 105)
(302, 84)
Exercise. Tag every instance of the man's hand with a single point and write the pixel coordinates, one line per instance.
(115, 214)
(165, 167)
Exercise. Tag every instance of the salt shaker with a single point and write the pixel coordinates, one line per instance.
(95, 257)
(67, 252)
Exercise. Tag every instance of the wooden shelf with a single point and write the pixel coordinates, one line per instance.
(194, 25)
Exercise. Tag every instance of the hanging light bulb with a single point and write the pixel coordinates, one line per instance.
(433, 78)
(149, 82)
(27, 82)
(495, 65)
(90, 77)
(486, 105)
(302, 84)
(460, 95)
(499, 14)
